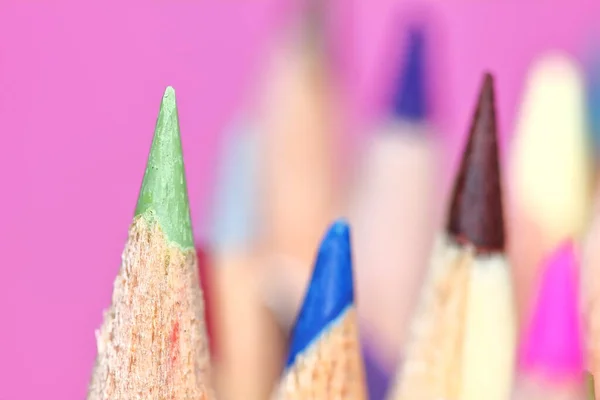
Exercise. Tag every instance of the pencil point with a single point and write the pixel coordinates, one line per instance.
(553, 341)
(163, 196)
(409, 101)
(476, 214)
(330, 290)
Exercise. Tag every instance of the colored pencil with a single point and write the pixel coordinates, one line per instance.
(391, 209)
(551, 364)
(324, 359)
(297, 197)
(296, 118)
(243, 369)
(234, 218)
(153, 340)
(463, 337)
(591, 296)
(550, 168)
(592, 80)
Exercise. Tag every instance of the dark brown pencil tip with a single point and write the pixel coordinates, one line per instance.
(476, 207)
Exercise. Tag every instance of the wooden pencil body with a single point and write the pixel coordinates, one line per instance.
(432, 366)
(463, 337)
(250, 342)
(298, 195)
(490, 331)
(152, 343)
(330, 368)
(537, 388)
(591, 298)
(393, 227)
(298, 168)
(526, 248)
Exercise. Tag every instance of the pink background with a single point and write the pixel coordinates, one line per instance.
(80, 84)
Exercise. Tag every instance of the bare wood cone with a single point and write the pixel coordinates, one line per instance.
(153, 341)
(299, 122)
(330, 369)
(433, 357)
(248, 334)
(591, 296)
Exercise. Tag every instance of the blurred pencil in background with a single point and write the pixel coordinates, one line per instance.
(241, 363)
(551, 364)
(324, 360)
(550, 168)
(591, 262)
(299, 195)
(296, 176)
(391, 207)
(593, 103)
(463, 335)
(153, 339)
(295, 181)
(591, 296)
(477, 221)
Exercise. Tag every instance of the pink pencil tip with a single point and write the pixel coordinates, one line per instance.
(552, 344)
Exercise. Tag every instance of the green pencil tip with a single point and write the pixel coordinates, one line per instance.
(590, 378)
(163, 197)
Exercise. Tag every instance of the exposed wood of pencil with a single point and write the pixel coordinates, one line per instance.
(299, 182)
(153, 341)
(534, 389)
(490, 331)
(591, 298)
(433, 357)
(392, 219)
(331, 368)
(247, 334)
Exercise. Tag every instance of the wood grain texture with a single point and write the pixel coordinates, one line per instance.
(153, 343)
(432, 367)
(331, 368)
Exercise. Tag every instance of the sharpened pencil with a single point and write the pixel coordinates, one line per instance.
(241, 366)
(551, 169)
(592, 81)
(153, 343)
(463, 336)
(591, 296)
(298, 186)
(297, 164)
(392, 208)
(324, 360)
(551, 363)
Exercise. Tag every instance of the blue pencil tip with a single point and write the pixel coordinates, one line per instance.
(330, 290)
(409, 98)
